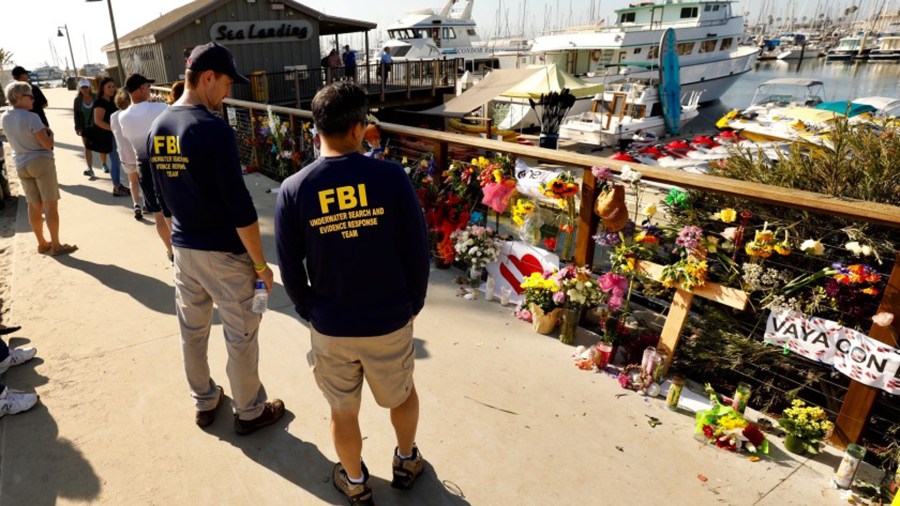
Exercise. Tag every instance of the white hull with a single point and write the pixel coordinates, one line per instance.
(591, 132)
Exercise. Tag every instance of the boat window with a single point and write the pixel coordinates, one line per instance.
(715, 8)
(400, 51)
(637, 50)
(688, 12)
(471, 32)
(391, 34)
(653, 52)
(726, 43)
(708, 46)
(627, 17)
(707, 8)
(684, 48)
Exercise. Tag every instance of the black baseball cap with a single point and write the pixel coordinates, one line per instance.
(18, 71)
(135, 81)
(217, 58)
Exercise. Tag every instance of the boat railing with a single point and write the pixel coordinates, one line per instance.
(852, 406)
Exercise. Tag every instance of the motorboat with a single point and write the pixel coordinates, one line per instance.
(772, 98)
(625, 111)
(885, 107)
(850, 48)
(709, 35)
(429, 35)
(888, 49)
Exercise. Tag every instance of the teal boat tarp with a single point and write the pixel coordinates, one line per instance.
(841, 107)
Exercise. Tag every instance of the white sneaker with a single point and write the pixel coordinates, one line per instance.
(17, 356)
(14, 401)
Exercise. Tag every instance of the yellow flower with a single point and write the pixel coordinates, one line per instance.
(728, 215)
(629, 265)
(783, 248)
(650, 211)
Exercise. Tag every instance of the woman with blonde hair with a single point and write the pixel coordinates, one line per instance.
(126, 156)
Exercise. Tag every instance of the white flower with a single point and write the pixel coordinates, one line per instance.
(630, 175)
(854, 248)
(407, 170)
(812, 247)
(883, 319)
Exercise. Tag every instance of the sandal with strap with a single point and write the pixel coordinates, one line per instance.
(64, 249)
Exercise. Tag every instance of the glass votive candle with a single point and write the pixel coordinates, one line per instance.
(505, 293)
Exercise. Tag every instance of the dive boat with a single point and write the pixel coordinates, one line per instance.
(772, 98)
(624, 111)
(708, 32)
(429, 35)
(888, 49)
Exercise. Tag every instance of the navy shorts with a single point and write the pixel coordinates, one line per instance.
(153, 200)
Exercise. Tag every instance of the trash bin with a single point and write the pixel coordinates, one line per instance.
(72, 83)
(259, 86)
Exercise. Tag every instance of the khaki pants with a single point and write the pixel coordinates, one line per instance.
(201, 279)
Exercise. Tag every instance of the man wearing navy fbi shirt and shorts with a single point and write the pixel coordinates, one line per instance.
(358, 226)
(215, 238)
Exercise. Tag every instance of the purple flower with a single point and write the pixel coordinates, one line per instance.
(607, 240)
(559, 297)
(690, 237)
(602, 173)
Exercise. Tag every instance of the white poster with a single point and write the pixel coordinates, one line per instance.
(529, 179)
(516, 262)
(852, 353)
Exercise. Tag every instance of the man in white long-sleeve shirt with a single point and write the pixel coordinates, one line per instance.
(136, 122)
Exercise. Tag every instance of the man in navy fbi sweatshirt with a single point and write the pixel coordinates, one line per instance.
(354, 257)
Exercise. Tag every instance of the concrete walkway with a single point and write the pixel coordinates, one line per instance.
(506, 418)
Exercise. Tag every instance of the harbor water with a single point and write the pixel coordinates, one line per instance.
(843, 81)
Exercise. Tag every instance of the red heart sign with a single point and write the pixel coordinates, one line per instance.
(526, 265)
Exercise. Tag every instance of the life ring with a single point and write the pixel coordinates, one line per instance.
(595, 55)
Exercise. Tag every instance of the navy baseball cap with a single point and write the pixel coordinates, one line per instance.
(135, 81)
(217, 58)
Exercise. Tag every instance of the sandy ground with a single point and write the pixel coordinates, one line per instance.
(506, 418)
(7, 234)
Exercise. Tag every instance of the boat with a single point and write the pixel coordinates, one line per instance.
(480, 130)
(885, 107)
(709, 49)
(887, 49)
(623, 112)
(850, 48)
(431, 35)
(772, 98)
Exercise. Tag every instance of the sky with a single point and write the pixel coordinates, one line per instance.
(33, 39)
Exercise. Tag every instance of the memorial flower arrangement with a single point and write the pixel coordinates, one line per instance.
(727, 429)
(539, 291)
(526, 217)
(806, 426)
(577, 288)
(563, 190)
(498, 183)
(691, 269)
(476, 246)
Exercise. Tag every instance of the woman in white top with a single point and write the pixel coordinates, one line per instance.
(129, 163)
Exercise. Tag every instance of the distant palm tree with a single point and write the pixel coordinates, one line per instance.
(5, 58)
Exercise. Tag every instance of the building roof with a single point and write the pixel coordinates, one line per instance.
(176, 19)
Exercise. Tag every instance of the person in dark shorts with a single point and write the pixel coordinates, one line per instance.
(215, 236)
(334, 220)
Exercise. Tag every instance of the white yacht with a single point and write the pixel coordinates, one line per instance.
(623, 111)
(428, 35)
(709, 34)
(850, 48)
(772, 99)
(888, 49)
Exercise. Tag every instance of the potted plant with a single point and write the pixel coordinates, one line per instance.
(545, 310)
(578, 290)
(806, 427)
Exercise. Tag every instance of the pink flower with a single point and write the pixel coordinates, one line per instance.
(615, 302)
(602, 173)
(610, 282)
(559, 297)
(883, 319)
(524, 315)
(729, 233)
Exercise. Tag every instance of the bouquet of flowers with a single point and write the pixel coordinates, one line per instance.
(539, 292)
(497, 181)
(577, 288)
(563, 189)
(526, 216)
(806, 426)
(476, 246)
(727, 429)
(690, 271)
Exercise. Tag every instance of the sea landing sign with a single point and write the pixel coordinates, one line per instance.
(852, 353)
(250, 32)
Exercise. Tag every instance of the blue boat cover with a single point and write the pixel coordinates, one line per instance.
(841, 107)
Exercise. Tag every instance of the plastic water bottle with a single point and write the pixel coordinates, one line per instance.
(260, 298)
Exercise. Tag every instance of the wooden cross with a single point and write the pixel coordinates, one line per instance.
(681, 306)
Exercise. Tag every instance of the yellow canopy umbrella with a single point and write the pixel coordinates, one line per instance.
(549, 78)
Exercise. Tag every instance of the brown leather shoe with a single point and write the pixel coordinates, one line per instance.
(272, 412)
(205, 418)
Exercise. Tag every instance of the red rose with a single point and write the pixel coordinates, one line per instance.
(550, 243)
(754, 435)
